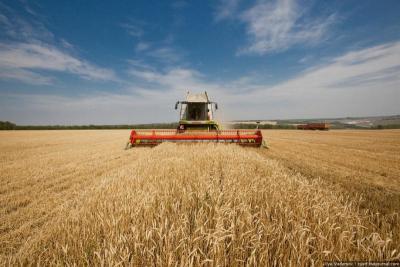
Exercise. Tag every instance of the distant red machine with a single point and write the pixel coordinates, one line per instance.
(314, 126)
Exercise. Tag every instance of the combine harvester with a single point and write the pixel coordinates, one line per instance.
(196, 124)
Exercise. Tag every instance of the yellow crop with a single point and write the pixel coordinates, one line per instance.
(76, 197)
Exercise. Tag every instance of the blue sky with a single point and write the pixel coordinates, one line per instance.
(111, 62)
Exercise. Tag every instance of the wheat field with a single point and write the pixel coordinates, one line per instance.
(78, 198)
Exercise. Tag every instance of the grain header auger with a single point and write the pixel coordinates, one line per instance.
(196, 125)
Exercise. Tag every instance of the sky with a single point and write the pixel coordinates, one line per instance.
(127, 62)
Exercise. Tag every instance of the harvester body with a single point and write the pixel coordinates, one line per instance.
(197, 113)
(196, 125)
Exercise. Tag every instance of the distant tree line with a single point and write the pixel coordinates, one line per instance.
(12, 126)
(388, 126)
(6, 125)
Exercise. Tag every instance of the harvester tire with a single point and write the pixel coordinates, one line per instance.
(264, 144)
(128, 146)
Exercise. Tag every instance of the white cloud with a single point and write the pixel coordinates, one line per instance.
(133, 28)
(66, 44)
(356, 68)
(19, 58)
(358, 83)
(19, 29)
(361, 82)
(24, 76)
(165, 55)
(139, 64)
(364, 82)
(278, 25)
(142, 46)
(4, 22)
(226, 9)
(170, 77)
(31, 49)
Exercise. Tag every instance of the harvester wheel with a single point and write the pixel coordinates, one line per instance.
(264, 144)
(128, 146)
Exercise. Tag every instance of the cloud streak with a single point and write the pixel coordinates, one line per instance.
(20, 59)
(20, 29)
(367, 80)
(31, 51)
(134, 29)
(226, 9)
(276, 26)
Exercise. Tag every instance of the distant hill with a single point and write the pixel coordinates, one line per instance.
(376, 122)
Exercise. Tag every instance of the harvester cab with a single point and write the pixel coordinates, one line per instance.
(197, 113)
(196, 124)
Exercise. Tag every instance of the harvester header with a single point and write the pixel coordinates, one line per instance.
(196, 125)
